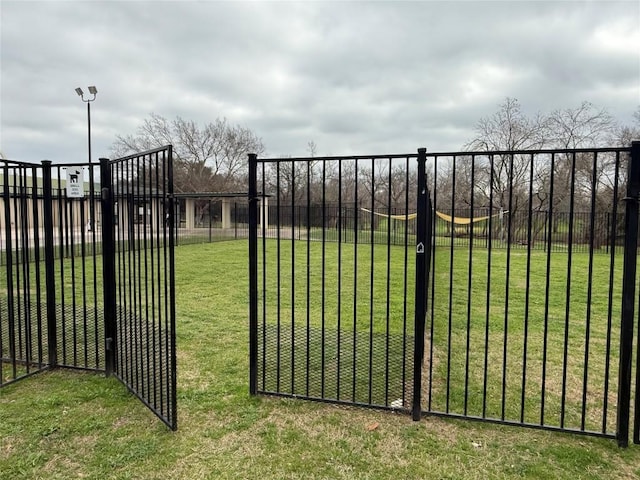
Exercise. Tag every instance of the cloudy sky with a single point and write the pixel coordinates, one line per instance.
(355, 78)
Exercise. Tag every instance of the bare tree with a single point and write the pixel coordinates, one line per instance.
(581, 181)
(625, 134)
(507, 175)
(509, 129)
(208, 158)
(296, 181)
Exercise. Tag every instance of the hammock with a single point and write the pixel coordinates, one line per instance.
(444, 216)
(410, 216)
(465, 220)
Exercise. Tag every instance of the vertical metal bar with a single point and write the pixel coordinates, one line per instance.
(547, 291)
(628, 300)
(108, 267)
(308, 279)
(612, 263)
(388, 286)
(355, 284)
(235, 210)
(405, 268)
(209, 212)
(160, 222)
(74, 301)
(525, 340)
(155, 193)
(339, 299)
(62, 239)
(469, 289)
(83, 254)
(253, 274)
(25, 260)
(150, 194)
(135, 281)
(488, 292)
(94, 225)
(121, 246)
(9, 270)
(279, 279)
(18, 226)
(50, 280)
(165, 350)
(3, 227)
(432, 266)
(119, 204)
(371, 278)
(127, 302)
(505, 346)
(324, 285)
(37, 259)
(422, 252)
(172, 294)
(164, 374)
(293, 277)
(567, 317)
(451, 266)
(265, 216)
(592, 232)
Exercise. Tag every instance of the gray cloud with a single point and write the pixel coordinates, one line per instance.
(353, 77)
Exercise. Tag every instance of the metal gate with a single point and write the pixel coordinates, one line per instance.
(332, 271)
(88, 282)
(139, 281)
(495, 286)
(532, 258)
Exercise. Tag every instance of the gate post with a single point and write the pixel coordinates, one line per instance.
(108, 267)
(628, 295)
(253, 274)
(423, 250)
(50, 281)
(635, 158)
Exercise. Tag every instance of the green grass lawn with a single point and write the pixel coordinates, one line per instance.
(66, 424)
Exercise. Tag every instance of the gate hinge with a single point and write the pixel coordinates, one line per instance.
(105, 193)
(108, 342)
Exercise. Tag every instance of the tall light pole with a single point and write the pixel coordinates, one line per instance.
(93, 91)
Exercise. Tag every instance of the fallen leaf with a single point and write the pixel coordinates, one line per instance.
(476, 444)
(373, 426)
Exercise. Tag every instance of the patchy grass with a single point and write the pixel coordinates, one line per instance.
(66, 424)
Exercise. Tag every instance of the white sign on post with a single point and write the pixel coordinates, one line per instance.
(75, 183)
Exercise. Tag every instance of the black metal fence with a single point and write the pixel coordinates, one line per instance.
(502, 289)
(139, 277)
(56, 309)
(608, 231)
(24, 348)
(332, 312)
(523, 329)
(49, 303)
(210, 218)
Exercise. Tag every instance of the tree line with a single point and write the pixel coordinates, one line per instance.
(213, 158)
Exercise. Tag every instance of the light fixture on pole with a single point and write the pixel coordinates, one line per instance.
(93, 91)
